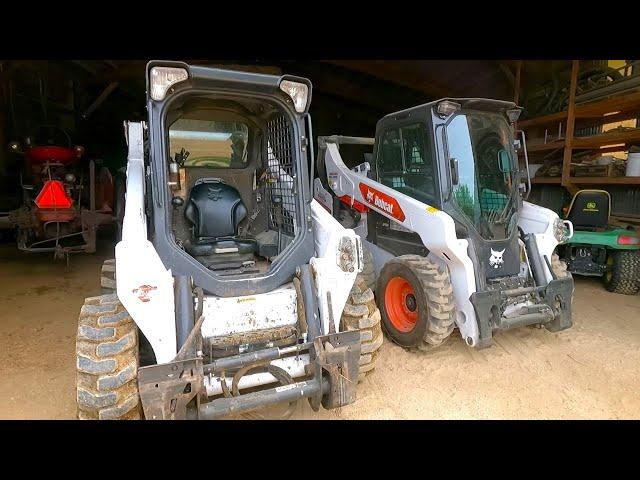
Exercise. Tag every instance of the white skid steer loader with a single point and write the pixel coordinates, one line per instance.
(234, 289)
(450, 241)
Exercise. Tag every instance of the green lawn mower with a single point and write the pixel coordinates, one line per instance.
(598, 248)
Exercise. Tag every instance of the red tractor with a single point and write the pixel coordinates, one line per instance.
(64, 201)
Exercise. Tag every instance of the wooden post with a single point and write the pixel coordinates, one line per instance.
(568, 142)
(516, 86)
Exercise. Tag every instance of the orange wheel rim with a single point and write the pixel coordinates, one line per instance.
(400, 304)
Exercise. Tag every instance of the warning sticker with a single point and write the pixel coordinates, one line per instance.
(284, 388)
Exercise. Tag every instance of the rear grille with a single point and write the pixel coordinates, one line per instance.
(281, 185)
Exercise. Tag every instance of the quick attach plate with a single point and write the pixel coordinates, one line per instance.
(167, 389)
(336, 360)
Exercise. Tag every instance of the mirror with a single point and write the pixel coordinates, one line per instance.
(504, 161)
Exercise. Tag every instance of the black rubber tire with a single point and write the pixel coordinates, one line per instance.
(108, 276)
(626, 272)
(368, 271)
(559, 267)
(434, 298)
(106, 361)
(361, 313)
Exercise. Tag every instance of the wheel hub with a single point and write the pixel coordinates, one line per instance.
(410, 302)
(401, 304)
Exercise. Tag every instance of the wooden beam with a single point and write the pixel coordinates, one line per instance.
(571, 120)
(516, 86)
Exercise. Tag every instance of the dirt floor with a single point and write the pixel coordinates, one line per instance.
(589, 371)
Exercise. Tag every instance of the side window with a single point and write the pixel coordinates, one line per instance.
(405, 162)
(390, 153)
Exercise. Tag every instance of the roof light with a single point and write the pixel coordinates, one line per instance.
(513, 114)
(164, 77)
(299, 93)
(447, 107)
(628, 240)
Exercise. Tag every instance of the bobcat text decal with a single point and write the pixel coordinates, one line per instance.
(382, 201)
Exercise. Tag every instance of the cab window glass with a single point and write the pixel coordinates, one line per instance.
(405, 162)
(210, 143)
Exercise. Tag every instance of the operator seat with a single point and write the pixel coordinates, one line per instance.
(590, 209)
(215, 210)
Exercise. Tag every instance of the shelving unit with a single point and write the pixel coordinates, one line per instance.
(562, 126)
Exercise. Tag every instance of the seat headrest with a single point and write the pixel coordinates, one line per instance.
(590, 208)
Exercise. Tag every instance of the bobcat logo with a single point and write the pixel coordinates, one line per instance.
(214, 193)
(495, 260)
(369, 196)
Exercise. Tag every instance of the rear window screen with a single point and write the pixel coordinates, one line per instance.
(212, 144)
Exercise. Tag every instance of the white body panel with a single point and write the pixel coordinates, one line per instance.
(229, 315)
(436, 230)
(323, 197)
(329, 277)
(539, 221)
(293, 365)
(144, 285)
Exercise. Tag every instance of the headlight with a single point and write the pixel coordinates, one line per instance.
(299, 92)
(560, 230)
(347, 255)
(164, 77)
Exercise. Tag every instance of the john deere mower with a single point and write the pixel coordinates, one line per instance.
(598, 248)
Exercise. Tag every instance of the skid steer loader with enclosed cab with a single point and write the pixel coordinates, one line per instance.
(449, 239)
(235, 290)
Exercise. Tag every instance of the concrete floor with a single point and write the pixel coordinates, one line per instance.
(589, 371)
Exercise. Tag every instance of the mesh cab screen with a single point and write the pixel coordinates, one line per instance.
(281, 180)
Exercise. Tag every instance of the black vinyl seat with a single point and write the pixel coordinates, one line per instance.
(215, 211)
(590, 209)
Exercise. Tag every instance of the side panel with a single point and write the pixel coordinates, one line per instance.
(144, 285)
(539, 221)
(331, 280)
(436, 230)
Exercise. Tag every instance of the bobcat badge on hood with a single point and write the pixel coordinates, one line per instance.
(495, 260)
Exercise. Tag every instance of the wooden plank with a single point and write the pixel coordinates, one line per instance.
(542, 147)
(607, 138)
(606, 180)
(544, 120)
(546, 180)
(516, 86)
(627, 104)
(568, 147)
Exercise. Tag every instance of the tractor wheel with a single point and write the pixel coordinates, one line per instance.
(415, 297)
(106, 361)
(108, 276)
(559, 267)
(624, 272)
(368, 271)
(361, 313)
